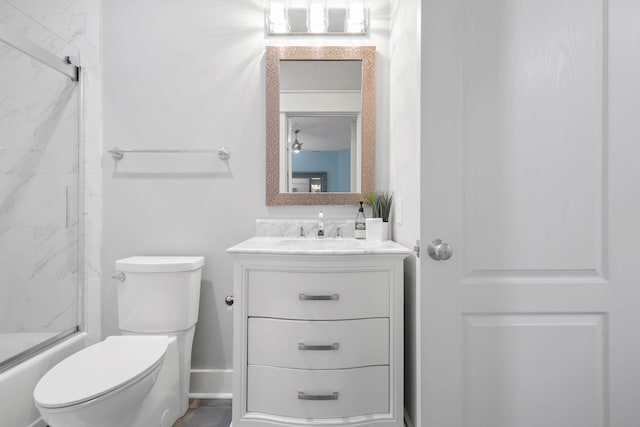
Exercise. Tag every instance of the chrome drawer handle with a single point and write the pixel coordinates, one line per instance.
(305, 297)
(303, 396)
(303, 346)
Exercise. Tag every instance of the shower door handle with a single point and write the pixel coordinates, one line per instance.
(66, 206)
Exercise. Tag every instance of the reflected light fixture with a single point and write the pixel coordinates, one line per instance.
(297, 145)
(313, 17)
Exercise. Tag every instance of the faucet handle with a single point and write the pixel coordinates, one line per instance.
(339, 231)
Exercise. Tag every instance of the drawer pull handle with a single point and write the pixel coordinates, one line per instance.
(303, 346)
(305, 297)
(304, 396)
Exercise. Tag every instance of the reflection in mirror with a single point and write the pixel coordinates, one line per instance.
(324, 144)
(320, 124)
(321, 104)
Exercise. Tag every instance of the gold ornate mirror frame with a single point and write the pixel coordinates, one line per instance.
(275, 54)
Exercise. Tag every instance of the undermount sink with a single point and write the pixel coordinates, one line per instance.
(321, 243)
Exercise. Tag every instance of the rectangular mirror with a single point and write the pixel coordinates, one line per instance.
(320, 124)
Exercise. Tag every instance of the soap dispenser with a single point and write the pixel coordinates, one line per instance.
(320, 225)
(361, 224)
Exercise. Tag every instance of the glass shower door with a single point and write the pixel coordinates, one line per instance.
(39, 203)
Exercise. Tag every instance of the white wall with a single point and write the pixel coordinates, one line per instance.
(191, 75)
(405, 170)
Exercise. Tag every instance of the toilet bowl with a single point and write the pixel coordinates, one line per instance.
(122, 381)
(139, 378)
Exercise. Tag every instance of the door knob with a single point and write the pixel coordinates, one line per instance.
(439, 250)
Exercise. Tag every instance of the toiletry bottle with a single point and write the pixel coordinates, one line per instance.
(361, 224)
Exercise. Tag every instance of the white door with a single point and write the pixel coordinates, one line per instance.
(531, 172)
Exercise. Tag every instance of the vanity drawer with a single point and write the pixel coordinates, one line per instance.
(318, 393)
(325, 296)
(313, 344)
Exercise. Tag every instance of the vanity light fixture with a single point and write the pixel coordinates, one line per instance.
(296, 147)
(313, 17)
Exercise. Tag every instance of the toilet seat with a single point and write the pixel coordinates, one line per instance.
(99, 369)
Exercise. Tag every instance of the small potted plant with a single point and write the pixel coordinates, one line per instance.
(381, 202)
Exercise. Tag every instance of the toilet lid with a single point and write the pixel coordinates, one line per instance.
(99, 369)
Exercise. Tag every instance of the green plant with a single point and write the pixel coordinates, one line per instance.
(380, 202)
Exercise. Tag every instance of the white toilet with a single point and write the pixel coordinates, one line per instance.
(140, 378)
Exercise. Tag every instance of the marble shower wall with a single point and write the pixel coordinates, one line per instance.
(41, 139)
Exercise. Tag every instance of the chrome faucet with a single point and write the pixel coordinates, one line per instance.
(320, 224)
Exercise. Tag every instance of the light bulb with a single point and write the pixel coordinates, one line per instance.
(356, 22)
(316, 16)
(278, 17)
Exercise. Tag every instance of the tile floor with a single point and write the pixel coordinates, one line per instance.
(206, 413)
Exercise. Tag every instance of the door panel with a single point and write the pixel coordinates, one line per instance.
(534, 370)
(528, 127)
(532, 137)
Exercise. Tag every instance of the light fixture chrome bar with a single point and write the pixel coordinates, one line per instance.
(118, 153)
(63, 65)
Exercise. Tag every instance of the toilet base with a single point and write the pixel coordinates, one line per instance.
(160, 406)
(185, 345)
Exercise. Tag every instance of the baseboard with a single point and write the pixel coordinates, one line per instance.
(39, 423)
(210, 396)
(210, 384)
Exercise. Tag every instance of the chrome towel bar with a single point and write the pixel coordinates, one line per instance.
(118, 153)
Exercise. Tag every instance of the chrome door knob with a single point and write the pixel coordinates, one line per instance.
(439, 250)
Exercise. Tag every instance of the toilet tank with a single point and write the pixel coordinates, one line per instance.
(158, 294)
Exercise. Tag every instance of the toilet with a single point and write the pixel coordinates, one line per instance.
(141, 377)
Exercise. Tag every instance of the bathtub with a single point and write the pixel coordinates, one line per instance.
(12, 344)
(17, 384)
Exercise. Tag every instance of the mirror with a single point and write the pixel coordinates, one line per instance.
(320, 124)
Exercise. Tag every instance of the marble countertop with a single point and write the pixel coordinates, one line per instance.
(317, 246)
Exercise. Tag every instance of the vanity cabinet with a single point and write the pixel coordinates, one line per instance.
(318, 337)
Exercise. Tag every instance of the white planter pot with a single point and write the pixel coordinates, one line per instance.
(374, 229)
(386, 231)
